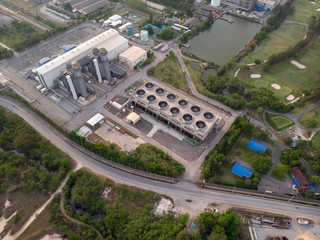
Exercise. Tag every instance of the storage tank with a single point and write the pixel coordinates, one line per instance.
(129, 30)
(215, 3)
(144, 35)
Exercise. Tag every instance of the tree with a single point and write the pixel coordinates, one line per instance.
(315, 180)
(312, 123)
(280, 171)
(262, 164)
(290, 157)
(257, 61)
(25, 142)
(213, 164)
(260, 110)
(310, 194)
(167, 34)
(215, 84)
(67, 6)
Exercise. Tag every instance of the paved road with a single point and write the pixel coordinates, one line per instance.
(180, 191)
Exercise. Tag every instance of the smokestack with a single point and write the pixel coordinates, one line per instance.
(96, 65)
(71, 86)
(78, 80)
(104, 65)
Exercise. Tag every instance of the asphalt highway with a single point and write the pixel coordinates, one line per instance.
(182, 190)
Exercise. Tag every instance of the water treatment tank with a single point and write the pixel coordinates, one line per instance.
(129, 30)
(144, 35)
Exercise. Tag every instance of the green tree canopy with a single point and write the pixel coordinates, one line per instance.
(262, 164)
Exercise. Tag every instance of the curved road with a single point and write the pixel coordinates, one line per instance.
(178, 192)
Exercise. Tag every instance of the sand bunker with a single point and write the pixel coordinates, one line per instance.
(298, 65)
(318, 10)
(275, 86)
(255, 76)
(290, 97)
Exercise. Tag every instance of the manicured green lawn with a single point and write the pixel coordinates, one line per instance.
(279, 123)
(277, 41)
(303, 11)
(291, 79)
(316, 140)
(170, 72)
(314, 114)
(228, 177)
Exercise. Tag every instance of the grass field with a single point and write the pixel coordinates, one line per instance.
(277, 41)
(303, 11)
(316, 140)
(314, 114)
(278, 122)
(20, 4)
(291, 79)
(170, 72)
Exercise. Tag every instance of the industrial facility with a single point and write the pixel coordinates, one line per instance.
(194, 121)
(91, 57)
(133, 56)
(84, 6)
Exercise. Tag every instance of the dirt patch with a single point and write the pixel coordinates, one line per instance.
(298, 65)
(52, 237)
(290, 97)
(255, 75)
(276, 86)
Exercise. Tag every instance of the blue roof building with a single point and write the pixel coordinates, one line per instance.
(241, 171)
(256, 146)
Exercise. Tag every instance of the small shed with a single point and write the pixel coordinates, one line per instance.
(133, 118)
(256, 146)
(241, 171)
(95, 120)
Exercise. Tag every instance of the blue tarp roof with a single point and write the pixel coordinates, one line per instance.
(241, 171)
(254, 145)
(296, 181)
(312, 187)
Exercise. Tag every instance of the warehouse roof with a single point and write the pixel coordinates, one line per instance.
(108, 40)
(95, 119)
(133, 53)
(256, 146)
(300, 177)
(155, 5)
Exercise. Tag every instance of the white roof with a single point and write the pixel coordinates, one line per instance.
(95, 119)
(133, 117)
(133, 53)
(115, 23)
(115, 17)
(99, 41)
(124, 25)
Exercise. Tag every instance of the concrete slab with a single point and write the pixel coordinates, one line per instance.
(124, 141)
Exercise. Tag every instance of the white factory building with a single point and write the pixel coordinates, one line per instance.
(111, 40)
(133, 56)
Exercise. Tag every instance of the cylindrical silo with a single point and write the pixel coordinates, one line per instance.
(78, 80)
(215, 3)
(72, 89)
(129, 30)
(144, 35)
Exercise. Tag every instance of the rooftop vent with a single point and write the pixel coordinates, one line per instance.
(163, 105)
(141, 93)
(201, 125)
(183, 103)
(160, 91)
(171, 97)
(187, 118)
(208, 116)
(175, 111)
(151, 98)
(149, 85)
(195, 109)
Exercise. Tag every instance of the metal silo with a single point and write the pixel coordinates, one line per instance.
(104, 65)
(78, 80)
(144, 35)
(129, 30)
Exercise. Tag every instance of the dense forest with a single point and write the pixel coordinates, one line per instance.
(127, 213)
(180, 5)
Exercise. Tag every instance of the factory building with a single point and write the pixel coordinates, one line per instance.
(243, 5)
(110, 40)
(133, 56)
(190, 119)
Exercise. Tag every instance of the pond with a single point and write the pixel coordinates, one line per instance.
(223, 40)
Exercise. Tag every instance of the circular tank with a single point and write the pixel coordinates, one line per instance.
(183, 103)
(160, 91)
(201, 125)
(195, 109)
(174, 111)
(141, 93)
(171, 97)
(187, 118)
(129, 30)
(151, 98)
(149, 85)
(208, 116)
(163, 105)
